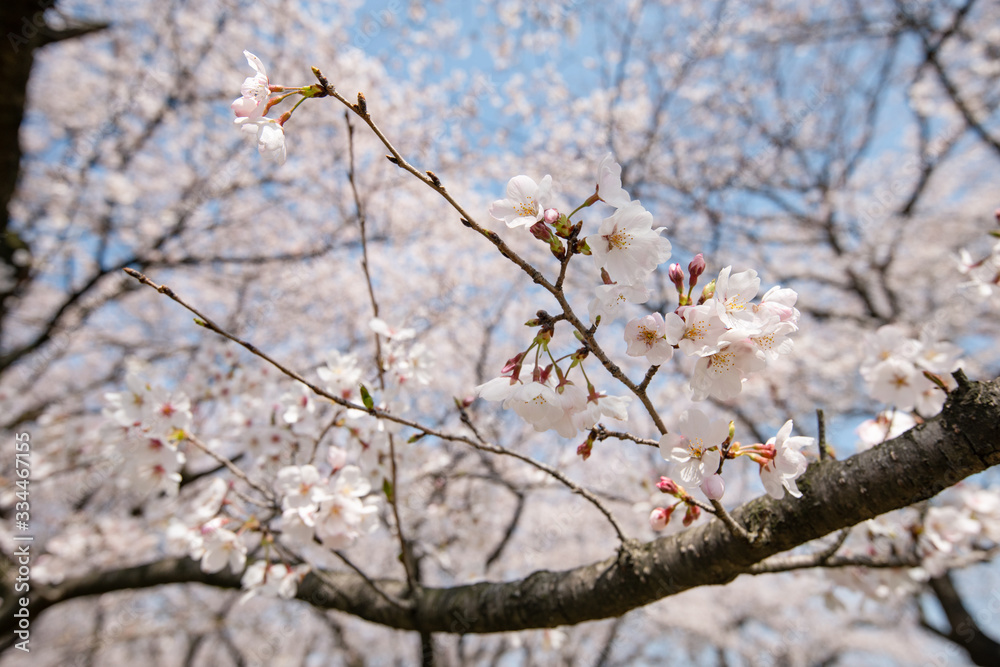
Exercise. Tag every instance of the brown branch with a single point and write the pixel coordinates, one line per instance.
(962, 441)
(206, 322)
(965, 632)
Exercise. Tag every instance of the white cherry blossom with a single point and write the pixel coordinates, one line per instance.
(609, 183)
(627, 246)
(787, 464)
(525, 203)
(694, 447)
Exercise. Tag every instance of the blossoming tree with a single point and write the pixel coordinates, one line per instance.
(695, 333)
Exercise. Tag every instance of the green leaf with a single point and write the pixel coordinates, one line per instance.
(387, 490)
(366, 398)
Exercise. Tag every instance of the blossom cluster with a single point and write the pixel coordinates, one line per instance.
(330, 509)
(983, 274)
(898, 370)
(550, 401)
(730, 336)
(250, 109)
(970, 522)
(151, 423)
(699, 448)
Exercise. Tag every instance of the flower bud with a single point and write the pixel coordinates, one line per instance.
(660, 517)
(551, 216)
(584, 450)
(541, 231)
(696, 268)
(667, 485)
(691, 515)
(713, 487)
(708, 292)
(676, 274)
(512, 363)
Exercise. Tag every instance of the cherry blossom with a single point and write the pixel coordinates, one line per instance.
(609, 183)
(733, 294)
(342, 516)
(660, 517)
(694, 450)
(713, 487)
(647, 337)
(255, 90)
(627, 246)
(341, 374)
(221, 547)
(785, 462)
(700, 327)
(887, 425)
(270, 137)
(272, 580)
(609, 300)
(722, 373)
(525, 203)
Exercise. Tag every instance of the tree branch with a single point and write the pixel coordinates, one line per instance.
(962, 441)
(965, 632)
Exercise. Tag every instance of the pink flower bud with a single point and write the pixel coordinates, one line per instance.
(696, 268)
(660, 517)
(713, 487)
(551, 216)
(676, 274)
(512, 363)
(583, 451)
(541, 231)
(667, 485)
(691, 515)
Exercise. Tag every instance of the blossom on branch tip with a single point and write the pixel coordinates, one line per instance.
(270, 137)
(255, 91)
(525, 203)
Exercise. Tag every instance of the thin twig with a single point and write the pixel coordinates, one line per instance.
(734, 528)
(400, 534)
(604, 434)
(376, 412)
(229, 466)
(536, 276)
(821, 433)
(402, 604)
(826, 558)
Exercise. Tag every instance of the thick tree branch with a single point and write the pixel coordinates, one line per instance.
(962, 441)
(965, 632)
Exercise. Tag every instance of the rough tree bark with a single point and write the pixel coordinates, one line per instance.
(962, 441)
